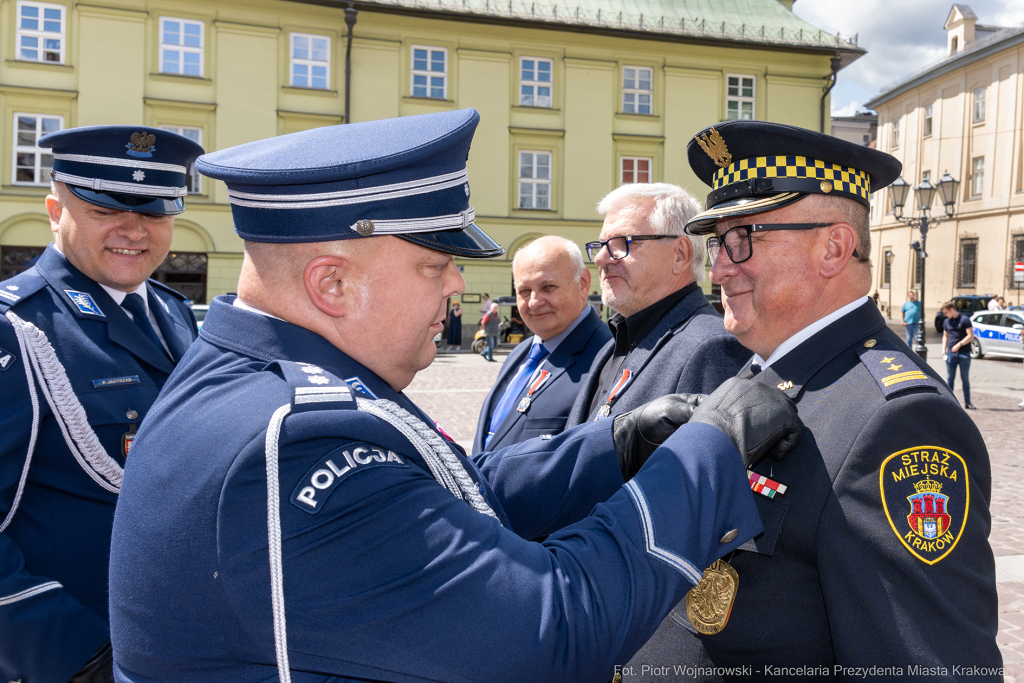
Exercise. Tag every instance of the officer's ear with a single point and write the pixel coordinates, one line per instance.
(54, 207)
(838, 249)
(682, 250)
(326, 280)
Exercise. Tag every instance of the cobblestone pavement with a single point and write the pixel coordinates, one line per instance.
(452, 390)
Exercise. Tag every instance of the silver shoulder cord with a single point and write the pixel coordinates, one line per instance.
(42, 365)
(446, 468)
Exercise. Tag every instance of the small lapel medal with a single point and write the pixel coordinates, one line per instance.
(620, 386)
(542, 377)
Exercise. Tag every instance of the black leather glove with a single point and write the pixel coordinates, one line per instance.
(640, 431)
(760, 420)
(99, 669)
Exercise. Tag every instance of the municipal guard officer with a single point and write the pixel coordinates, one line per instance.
(290, 514)
(86, 342)
(875, 551)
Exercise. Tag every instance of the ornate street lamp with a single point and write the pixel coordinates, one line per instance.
(924, 195)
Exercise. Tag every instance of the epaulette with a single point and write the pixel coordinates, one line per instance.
(892, 368)
(20, 287)
(159, 285)
(314, 387)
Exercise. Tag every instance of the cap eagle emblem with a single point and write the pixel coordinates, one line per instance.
(141, 144)
(715, 147)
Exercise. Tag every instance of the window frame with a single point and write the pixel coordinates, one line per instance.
(977, 186)
(534, 180)
(40, 34)
(894, 143)
(413, 72)
(182, 49)
(976, 115)
(637, 92)
(961, 263)
(309, 62)
(740, 99)
(928, 120)
(622, 169)
(39, 152)
(194, 176)
(550, 85)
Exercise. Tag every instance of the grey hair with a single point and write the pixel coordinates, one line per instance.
(673, 207)
(571, 248)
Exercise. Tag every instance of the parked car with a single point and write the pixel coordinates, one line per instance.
(997, 333)
(966, 304)
(200, 311)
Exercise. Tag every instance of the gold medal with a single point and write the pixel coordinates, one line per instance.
(709, 603)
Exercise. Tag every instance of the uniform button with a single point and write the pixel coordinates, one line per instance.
(869, 343)
(131, 415)
(730, 536)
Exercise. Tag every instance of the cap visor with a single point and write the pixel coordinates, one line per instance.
(470, 242)
(136, 203)
(704, 223)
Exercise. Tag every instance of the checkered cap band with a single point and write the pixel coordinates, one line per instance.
(843, 178)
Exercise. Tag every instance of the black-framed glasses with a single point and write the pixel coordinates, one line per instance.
(618, 247)
(737, 240)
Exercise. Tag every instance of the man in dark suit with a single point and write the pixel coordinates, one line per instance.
(541, 377)
(88, 341)
(875, 555)
(667, 338)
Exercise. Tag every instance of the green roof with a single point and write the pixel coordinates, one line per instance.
(745, 21)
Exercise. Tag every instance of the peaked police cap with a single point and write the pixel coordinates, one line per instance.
(404, 177)
(756, 166)
(127, 168)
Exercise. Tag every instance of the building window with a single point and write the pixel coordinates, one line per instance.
(979, 105)
(31, 164)
(917, 261)
(926, 177)
(1016, 256)
(867, 140)
(739, 98)
(895, 133)
(15, 260)
(185, 272)
(430, 72)
(310, 61)
(927, 120)
(181, 47)
(535, 82)
(887, 267)
(195, 179)
(534, 180)
(635, 170)
(967, 263)
(637, 88)
(40, 32)
(977, 176)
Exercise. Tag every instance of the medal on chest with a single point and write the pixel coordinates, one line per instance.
(606, 409)
(709, 603)
(128, 437)
(541, 377)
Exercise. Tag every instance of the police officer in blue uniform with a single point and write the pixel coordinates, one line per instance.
(875, 562)
(86, 342)
(289, 514)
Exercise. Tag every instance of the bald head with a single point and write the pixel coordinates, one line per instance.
(551, 284)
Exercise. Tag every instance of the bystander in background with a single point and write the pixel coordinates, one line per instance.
(455, 325)
(911, 317)
(489, 324)
(957, 335)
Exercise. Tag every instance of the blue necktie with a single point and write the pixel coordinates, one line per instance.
(134, 304)
(514, 388)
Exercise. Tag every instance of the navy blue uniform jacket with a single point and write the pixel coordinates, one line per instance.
(53, 556)
(386, 574)
(877, 554)
(687, 352)
(550, 404)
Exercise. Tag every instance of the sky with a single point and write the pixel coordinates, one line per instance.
(900, 36)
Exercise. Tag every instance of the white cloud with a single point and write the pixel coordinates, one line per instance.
(900, 37)
(854, 107)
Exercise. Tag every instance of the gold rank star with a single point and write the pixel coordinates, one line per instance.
(895, 367)
(887, 360)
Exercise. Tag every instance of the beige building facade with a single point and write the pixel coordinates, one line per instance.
(573, 101)
(964, 116)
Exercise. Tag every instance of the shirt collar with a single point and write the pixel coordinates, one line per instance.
(640, 324)
(808, 332)
(238, 303)
(552, 344)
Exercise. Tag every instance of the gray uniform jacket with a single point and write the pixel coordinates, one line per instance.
(688, 352)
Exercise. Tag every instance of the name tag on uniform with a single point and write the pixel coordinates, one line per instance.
(115, 382)
(319, 482)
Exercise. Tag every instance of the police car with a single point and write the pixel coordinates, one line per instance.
(997, 333)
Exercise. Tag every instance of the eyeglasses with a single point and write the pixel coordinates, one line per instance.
(737, 240)
(618, 247)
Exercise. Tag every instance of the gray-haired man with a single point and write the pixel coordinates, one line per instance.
(666, 337)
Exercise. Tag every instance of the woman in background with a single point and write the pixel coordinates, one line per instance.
(455, 325)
